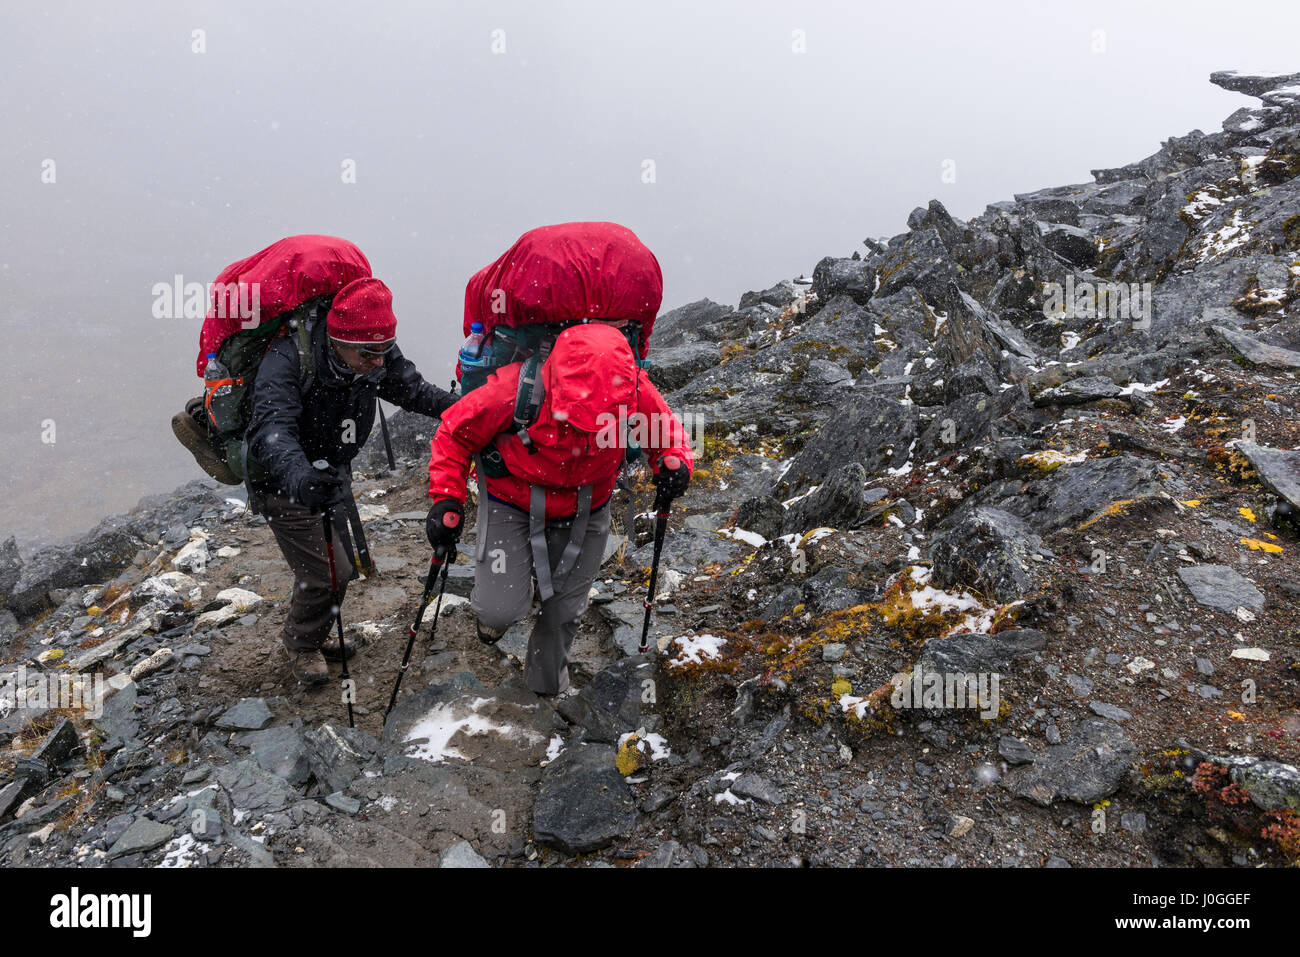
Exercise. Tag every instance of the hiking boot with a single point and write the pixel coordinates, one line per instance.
(193, 434)
(487, 635)
(309, 667)
(331, 648)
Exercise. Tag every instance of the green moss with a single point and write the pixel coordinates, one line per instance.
(1291, 230)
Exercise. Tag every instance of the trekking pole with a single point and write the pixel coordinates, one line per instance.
(439, 562)
(388, 443)
(328, 522)
(662, 507)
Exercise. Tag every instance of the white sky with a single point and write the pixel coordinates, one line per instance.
(169, 161)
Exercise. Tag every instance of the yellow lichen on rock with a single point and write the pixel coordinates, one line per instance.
(1256, 545)
(1048, 460)
(629, 759)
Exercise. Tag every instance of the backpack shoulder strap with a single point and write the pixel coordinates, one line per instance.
(301, 327)
(306, 356)
(530, 393)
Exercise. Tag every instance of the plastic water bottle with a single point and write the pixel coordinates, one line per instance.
(476, 353)
(214, 371)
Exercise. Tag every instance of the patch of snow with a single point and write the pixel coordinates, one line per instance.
(553, 750)
(430, 737)
(1231, 235)
(742, 535)
(183, 851)
(695, 649)
(790, 501)
(1143, 387)
(729, 798)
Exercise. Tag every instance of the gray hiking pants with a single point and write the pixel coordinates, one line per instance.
(503, 587)
(298, 532)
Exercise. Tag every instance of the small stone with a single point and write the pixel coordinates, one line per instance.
(1140, 664)
(250, 714)
(461, 854)
(1079, 684)
(143, 835)
(833, 651)
(1109, 711)
(755, 786)
(341, 802)
(958, 825)
(58, 744)
(1014, 751)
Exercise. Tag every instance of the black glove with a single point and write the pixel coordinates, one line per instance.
(672, 478)
(319, 489)
(445, 401)
(446, 518)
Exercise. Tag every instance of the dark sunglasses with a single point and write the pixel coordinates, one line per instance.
(368, 353)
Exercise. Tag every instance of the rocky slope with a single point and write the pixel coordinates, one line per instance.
(941, 456)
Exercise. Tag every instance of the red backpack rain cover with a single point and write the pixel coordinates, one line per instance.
(288, 273)
(567, 272)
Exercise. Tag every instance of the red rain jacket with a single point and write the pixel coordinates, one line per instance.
(568, 272)
(589, 377)
(287, 273)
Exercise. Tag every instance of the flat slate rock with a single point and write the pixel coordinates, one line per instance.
(251, 714)
(143, 835)
(1015, 751)
(58, 744)
(583, 804)
(1086, 768)
(1079, 391)
(462, 855)
(1278, 469)
(1256, 352)
(340, 801)
(1221, 588)
(1109, 711)
(282, 751)
(757, 787)
(973, 653)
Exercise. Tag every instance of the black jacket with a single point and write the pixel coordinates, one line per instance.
(290, 429)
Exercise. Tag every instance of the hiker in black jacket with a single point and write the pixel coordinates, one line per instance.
(355, 360)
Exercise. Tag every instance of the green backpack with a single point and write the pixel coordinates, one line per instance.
(227, 403)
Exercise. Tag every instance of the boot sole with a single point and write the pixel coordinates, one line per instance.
(195, 440)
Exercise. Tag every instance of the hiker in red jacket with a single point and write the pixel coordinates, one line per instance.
(548, 516)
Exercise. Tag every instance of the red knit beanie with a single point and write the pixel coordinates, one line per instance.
(362, 312)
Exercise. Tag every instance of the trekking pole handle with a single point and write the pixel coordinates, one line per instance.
(664, 501)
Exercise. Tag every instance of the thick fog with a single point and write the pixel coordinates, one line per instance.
(742, 141)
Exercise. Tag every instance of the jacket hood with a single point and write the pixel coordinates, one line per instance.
(590, 373)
